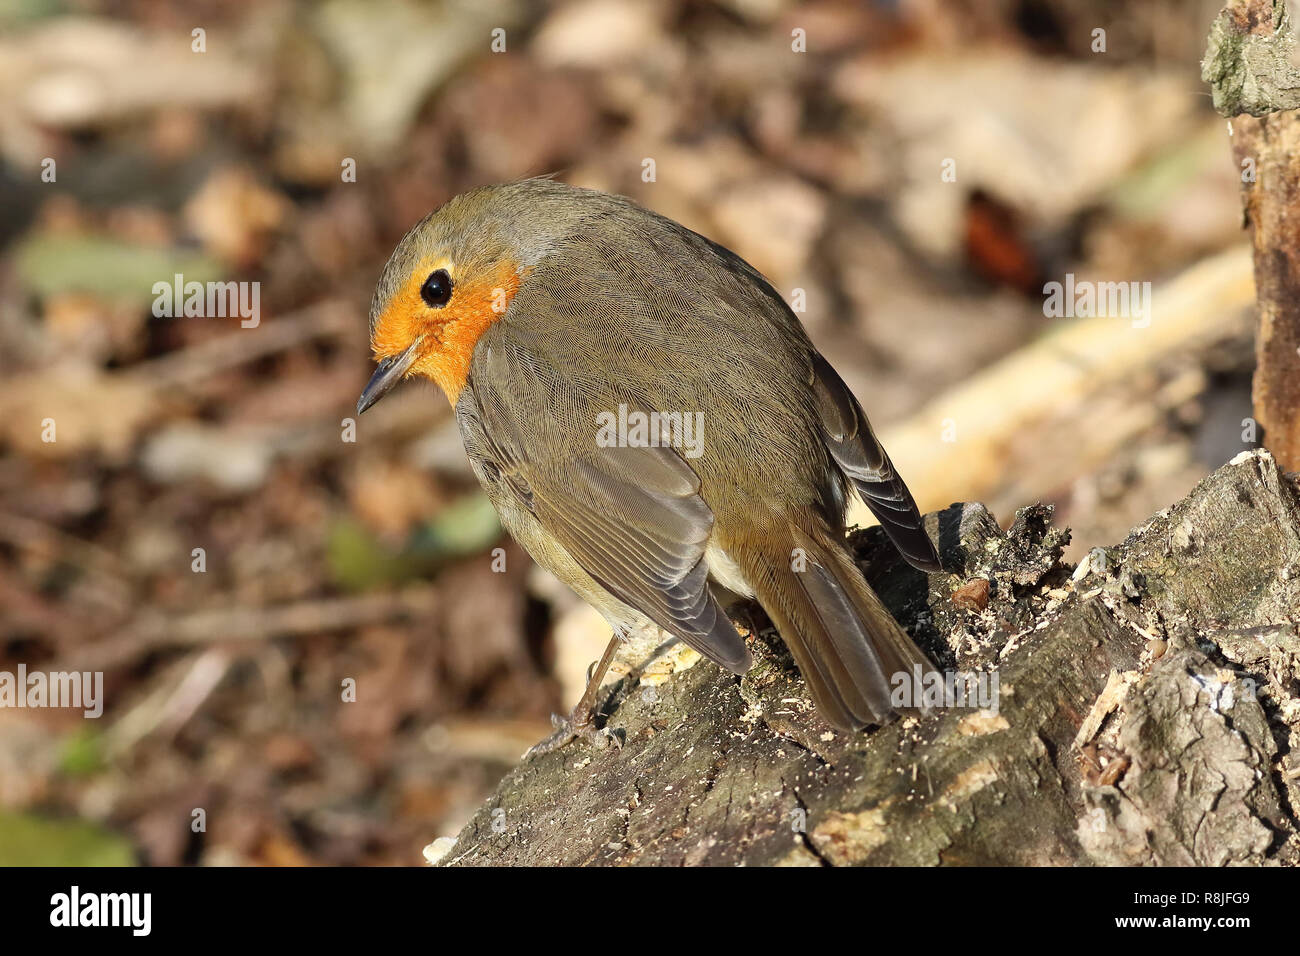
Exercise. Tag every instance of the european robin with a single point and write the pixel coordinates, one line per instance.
(654, 426)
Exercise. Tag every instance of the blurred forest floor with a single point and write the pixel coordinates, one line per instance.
(327, 559)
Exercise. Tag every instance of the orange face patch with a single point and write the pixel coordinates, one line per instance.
(451, 332)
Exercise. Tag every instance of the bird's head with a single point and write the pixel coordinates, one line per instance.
(456, 273)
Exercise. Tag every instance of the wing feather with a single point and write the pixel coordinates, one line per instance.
(862, 458)
(631, 517)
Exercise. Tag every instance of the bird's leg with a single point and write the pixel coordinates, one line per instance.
(581, 722)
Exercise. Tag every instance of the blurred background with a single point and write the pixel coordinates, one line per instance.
(913, 172)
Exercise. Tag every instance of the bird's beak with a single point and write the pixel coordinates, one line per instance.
(388, 374)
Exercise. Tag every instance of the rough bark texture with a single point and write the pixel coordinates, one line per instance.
(1146, 707)
(1252, 64)
(1250, 59)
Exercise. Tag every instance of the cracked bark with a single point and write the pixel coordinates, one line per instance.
(1175, 651)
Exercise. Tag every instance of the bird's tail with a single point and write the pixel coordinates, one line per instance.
(849, 648)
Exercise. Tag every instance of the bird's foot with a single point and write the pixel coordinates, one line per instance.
(582, 722)
(579, 724)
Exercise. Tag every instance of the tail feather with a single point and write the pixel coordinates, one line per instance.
(846, 643)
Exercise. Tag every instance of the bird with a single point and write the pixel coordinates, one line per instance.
(580, 337)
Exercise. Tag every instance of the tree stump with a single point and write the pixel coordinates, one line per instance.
(1145, 707)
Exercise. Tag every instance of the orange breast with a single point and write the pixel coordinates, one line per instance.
(450, 333)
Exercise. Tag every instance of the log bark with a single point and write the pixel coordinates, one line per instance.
(1145, 707)
(1252, 64)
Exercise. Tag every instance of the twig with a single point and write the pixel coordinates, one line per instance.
(151, 630)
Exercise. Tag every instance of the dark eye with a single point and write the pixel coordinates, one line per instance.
(436, 289)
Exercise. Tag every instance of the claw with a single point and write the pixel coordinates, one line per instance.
(582, 722)
(569, 729)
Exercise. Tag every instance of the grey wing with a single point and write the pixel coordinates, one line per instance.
(862, 458)
(631, 517)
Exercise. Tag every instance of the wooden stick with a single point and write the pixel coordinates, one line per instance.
(972, 440)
